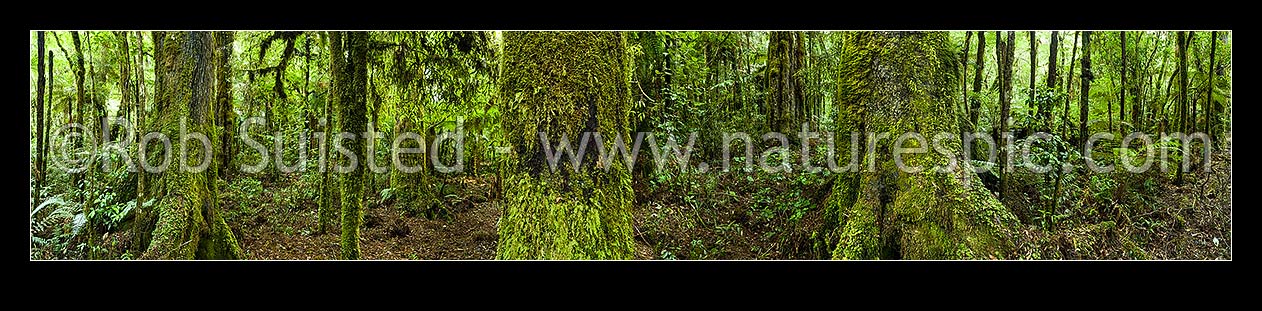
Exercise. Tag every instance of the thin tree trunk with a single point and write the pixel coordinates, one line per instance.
(1034, 61)
(354, 120)
(1005, 107)
(1052, 77)
(48, 117)
(1084, 100)
(968, 43)
(336, 59)
(1069, 82)
(225, 116)
(80, 101)
(1211, 114)
(1183, 38)
(975, 103)
(1121, 108)
(124, 76)
(39, 120)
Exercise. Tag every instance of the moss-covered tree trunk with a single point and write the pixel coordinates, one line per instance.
(899, 82)
(224, 115)
(188, 222)
(328, 205)
(564, 83)
(80, 101)
(785, 97)
(353, 87)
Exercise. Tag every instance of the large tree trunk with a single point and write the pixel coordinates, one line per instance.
(189, 225)
(899, 82)
(564, 84)
(39, 120)
(1083, 102)
(784, 84)
(353, 88)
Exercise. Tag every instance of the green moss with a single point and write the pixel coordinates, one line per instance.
(564, 83)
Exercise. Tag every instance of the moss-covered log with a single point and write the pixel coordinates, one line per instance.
(188, 224)
(900, 82)
(564, 83)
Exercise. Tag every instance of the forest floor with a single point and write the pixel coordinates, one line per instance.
(729, 216)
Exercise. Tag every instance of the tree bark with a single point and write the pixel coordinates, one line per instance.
(39, 120)
(80, 102)
(1034, 43)
(1069, 82)
(1211, 113)
(968, 43)
(1121, 108)
(1052, 77)
(784, 83)
(189, 225)
(1083, 101)
(124, 74)
(1183, 38)
(1005, 107)
(901, 82)
(354, 120)
(48, 117)
(337, 58)
(975, 104)
(224, 114)
(571, 212)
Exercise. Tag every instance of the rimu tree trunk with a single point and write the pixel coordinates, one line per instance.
(899, 82)
(571, 212)
(189, 224)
